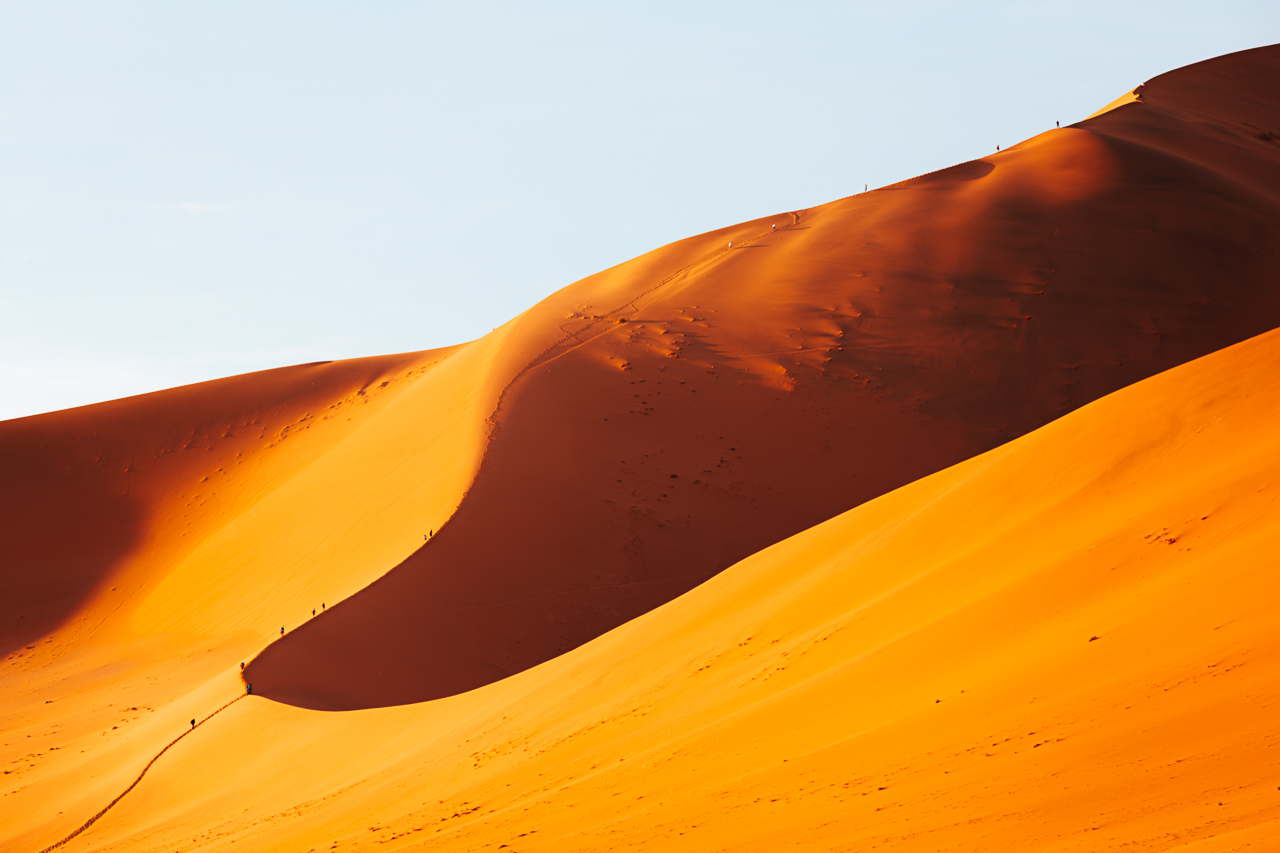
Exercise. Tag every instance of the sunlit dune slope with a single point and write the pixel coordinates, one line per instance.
(1068, 643)
(669, 416)
(204, 508)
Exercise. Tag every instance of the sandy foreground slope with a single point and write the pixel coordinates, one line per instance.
(1071, 642)
(642, 430)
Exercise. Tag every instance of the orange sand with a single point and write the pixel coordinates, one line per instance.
(916, 673)
(862, 345)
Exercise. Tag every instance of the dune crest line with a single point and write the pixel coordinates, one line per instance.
(91, 821)
(541, 358)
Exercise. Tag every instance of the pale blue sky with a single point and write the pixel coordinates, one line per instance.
(192, 190)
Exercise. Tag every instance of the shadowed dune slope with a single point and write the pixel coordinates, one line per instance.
(1067, 643)
(667, 417)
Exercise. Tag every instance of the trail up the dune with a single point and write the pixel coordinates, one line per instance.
(95, 818)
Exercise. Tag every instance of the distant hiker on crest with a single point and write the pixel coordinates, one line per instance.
(248, 690)
(193, 724)
(1058, 123)
(242, 666)
(281, 630)
(322, 605)
(313, 611)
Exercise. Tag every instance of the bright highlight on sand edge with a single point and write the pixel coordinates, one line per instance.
(644, 609)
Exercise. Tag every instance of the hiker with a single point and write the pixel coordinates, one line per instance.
(313, 611)
(281, 630)
(775, 227)
(193, 724)
(322, 605)
(1058, 123)
(242, 666)
(248, 690)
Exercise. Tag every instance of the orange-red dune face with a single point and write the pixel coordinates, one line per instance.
(674, 414)
(1067, 643)
(85, 489)
(1064, 643)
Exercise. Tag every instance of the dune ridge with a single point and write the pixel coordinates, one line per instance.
(770, 375)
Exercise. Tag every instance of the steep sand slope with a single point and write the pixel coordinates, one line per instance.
(122, 506)
(86, 488)
(683, 410)
(1068, 643)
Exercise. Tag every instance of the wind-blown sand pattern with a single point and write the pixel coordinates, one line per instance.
(736, 545)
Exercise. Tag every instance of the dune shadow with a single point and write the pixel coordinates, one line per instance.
(66, 525)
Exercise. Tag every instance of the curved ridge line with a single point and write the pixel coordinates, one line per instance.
(537, 360)
(492, 420)
(91, 821)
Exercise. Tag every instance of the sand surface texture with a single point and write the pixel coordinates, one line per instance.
(1063, 643)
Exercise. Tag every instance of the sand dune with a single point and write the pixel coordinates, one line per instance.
(690, 407)
(1061, 643)
(1066, 643)
(857, 347)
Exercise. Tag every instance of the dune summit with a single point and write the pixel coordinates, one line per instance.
(663, 419)
(734, 545)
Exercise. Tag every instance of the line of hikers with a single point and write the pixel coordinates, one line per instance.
(248, 688)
